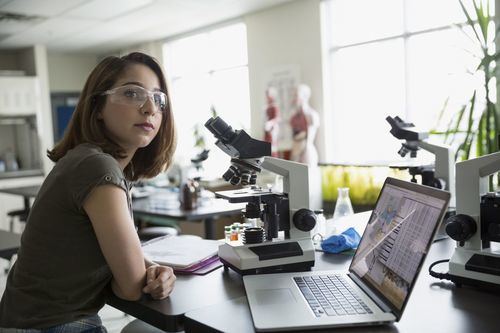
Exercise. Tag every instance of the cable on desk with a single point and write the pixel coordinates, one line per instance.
(441, 276)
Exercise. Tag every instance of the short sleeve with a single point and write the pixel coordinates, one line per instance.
(95, 170)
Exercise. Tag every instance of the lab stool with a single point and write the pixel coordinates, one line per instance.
(138, 326)
(148, 233)
(21, 214)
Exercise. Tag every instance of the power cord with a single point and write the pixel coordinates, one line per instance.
(441, 276)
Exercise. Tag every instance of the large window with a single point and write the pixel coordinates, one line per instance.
(206, 70)
(393, 57)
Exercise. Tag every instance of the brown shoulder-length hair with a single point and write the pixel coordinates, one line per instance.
(85, 127)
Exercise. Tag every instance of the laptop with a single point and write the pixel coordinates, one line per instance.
(381, 276)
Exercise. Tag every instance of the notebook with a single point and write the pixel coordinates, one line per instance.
(380, 278)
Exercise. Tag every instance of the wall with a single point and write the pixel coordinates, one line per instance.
(68, 72)
(289, 34)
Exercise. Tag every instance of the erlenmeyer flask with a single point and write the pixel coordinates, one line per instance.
(343, 207)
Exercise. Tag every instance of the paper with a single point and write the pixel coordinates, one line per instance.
(180, 252)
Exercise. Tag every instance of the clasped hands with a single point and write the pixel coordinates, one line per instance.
(159, 281)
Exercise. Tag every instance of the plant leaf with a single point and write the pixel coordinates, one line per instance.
(470, 21)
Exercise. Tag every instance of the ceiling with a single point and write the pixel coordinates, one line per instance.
(93, 26)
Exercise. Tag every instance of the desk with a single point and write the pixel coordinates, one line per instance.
(216, 302)
(164, 204)
(27, 192)
(160, 204)
(9, 244)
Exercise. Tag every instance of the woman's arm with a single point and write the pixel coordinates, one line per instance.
(108, 211)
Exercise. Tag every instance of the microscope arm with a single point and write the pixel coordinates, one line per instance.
(471, 182)
(444, 166)
(295, 178)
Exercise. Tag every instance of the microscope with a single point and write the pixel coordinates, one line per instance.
(284, 242)
(476, 261)
(440, 175)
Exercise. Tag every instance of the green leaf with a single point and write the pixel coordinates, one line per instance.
(481, 136)
(469, 132)
(470, 22)
(460, 115)
(482, 19)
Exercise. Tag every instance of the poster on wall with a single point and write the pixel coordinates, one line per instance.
(284, 79)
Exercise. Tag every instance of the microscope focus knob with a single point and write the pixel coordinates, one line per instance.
(461, 227)
(304, 219)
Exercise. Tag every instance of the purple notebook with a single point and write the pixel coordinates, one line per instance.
(201, 268)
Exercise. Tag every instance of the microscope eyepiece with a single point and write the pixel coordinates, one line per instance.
(220, 129)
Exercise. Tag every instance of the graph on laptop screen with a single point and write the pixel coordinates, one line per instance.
(396, 240)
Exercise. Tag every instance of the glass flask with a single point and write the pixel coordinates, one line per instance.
(319, 231)
(343, 207)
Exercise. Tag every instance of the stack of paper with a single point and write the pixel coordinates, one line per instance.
(186, 255)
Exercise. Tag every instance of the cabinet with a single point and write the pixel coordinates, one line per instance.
(21, 148)
(19, 95)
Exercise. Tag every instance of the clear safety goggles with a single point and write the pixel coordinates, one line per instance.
(137, 96)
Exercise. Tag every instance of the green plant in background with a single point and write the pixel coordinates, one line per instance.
(475, 127)
(364, 183)
(199, 138)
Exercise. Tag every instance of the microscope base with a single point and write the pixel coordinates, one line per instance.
(297, 267)
(475, 268)
(270, 256)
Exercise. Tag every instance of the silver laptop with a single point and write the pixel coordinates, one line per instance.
(380, 278)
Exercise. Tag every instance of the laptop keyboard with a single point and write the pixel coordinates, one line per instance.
(331, 295)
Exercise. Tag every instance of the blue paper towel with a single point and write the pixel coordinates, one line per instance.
(347, 240)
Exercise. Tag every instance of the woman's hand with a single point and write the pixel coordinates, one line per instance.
(159, 281)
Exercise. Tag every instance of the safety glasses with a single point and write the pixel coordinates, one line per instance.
(137, 96)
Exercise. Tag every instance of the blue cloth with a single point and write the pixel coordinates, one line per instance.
(347, 240)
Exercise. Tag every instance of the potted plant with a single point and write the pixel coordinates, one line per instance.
(475, 128)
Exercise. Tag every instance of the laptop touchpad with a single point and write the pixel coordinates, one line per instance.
(274, 296)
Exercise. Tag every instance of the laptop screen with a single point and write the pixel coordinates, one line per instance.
(397, 239)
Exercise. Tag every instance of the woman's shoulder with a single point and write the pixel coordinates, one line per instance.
(88, 157)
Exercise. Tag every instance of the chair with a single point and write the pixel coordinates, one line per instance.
(149, 227)
(148, 233)
(21, 214)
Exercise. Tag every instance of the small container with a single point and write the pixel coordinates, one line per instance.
(234, 233)
(188, 196)
(227, 233)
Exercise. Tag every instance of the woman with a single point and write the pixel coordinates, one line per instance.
(80, 236)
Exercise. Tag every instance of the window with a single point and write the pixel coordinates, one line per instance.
(392, 57)
(208, 69)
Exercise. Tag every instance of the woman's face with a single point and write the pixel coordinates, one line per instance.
(129, 125)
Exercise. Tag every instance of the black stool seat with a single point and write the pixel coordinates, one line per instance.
(148, 233)
(22, 214)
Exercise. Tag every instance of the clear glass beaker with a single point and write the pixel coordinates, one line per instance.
(343, 206)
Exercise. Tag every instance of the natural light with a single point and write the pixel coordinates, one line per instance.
(208, 70)
(412, 63)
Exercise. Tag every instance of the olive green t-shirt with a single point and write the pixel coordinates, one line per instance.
(60, 274)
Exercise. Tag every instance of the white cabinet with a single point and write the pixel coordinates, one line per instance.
(19, 96)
